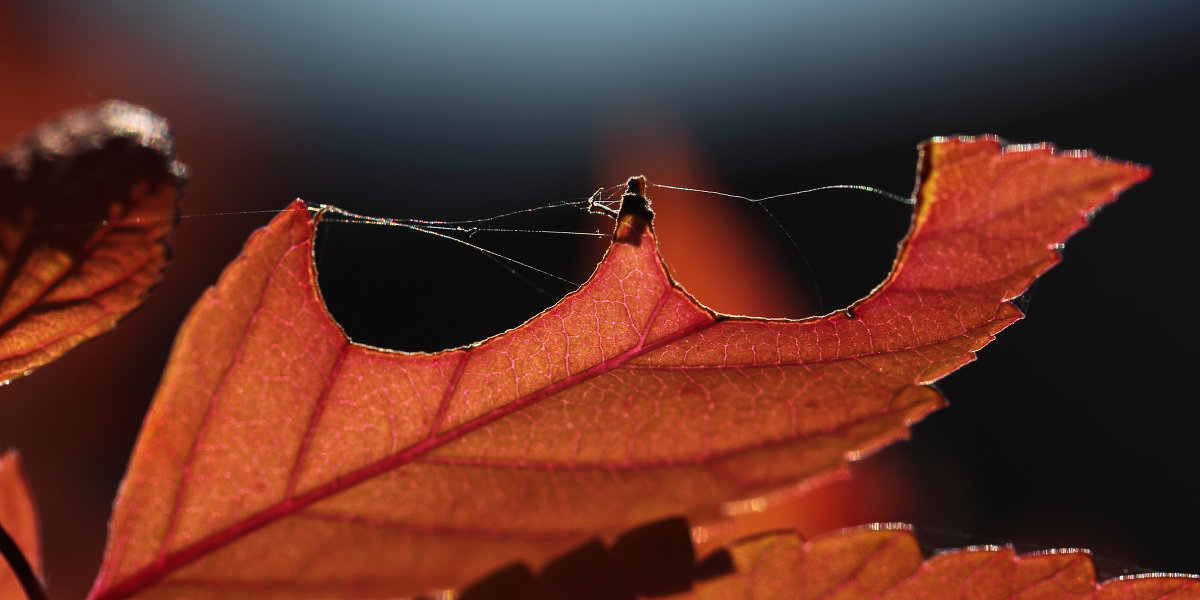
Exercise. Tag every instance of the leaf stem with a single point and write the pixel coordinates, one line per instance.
(20, 567)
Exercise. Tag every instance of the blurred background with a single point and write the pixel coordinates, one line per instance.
(1078, 426)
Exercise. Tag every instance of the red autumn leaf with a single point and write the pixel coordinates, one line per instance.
(885, 562)
(87, 200)
(18, 515)
(280, 459)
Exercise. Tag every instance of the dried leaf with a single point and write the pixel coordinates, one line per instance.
(85, 204)
(281, 460)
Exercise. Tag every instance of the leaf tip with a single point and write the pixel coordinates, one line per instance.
(300, 205)
(636, 215)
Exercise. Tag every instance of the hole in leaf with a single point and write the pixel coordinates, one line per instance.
(847, 240)
(813, 254)
(729, 253)
(402, 289)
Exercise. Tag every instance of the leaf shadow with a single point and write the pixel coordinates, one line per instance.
(656, 559)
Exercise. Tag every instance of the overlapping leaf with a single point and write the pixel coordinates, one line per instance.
(85, 202)
(279, 459)
(19, 517)
(881, 561)
(886, 563)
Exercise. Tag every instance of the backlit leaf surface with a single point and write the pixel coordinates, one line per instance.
(886, 563)
(19, 517)
(279, 459)
(85, 202)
